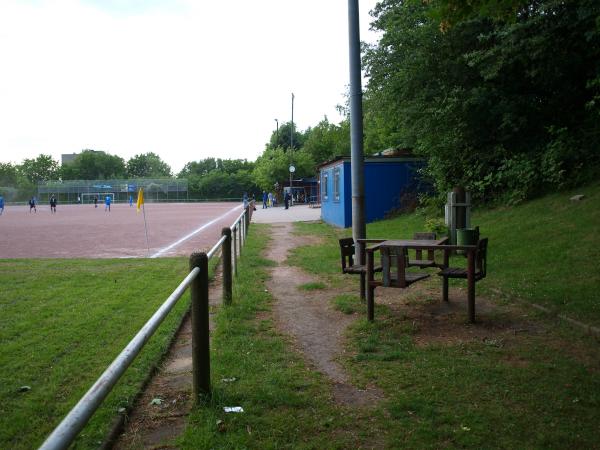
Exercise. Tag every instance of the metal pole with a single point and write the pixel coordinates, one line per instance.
(277, 133)
(292, 144)
(227, 278)
(200, 330)
(75, 420)
(359, 230)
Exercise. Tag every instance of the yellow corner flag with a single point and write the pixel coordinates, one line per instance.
(140, 199)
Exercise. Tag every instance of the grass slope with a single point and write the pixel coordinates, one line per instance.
(544, 251)
(62, 322)
(496, 385)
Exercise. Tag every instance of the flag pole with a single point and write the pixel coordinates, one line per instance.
(146, 230)
(141, 202)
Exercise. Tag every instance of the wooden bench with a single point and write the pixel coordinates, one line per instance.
(419, 261)
(347, 254)
(479, 272)
(394, 264)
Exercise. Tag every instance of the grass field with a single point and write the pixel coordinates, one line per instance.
(62, 322)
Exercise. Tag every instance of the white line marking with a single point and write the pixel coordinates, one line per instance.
(193, 233)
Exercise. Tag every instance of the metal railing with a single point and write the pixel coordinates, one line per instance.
(66, 432)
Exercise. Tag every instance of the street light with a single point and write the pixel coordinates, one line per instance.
(277, 133)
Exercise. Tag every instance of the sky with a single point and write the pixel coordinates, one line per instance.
(186, 79)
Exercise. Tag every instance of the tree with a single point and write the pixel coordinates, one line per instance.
(327, 140)
(148, 165)
(222, 185)
(202, 167)
(42, 168)
(504, 107)
(8, 174)
(234, 165)
(94, 165)
(281, 138)
(273, 166)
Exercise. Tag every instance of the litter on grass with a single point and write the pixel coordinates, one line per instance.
(228, 380)
(233, 409)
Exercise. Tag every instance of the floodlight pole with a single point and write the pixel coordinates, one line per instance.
(291, 147)
(359, 230)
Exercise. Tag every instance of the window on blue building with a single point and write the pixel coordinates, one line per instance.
(336, 184)
(325, 185)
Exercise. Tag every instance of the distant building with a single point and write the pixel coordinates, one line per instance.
(67, 158)
(390, 183)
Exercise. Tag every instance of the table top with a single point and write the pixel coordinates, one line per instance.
(407, 242)
(412, 242)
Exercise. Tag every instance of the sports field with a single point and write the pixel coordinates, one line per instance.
(82, 231)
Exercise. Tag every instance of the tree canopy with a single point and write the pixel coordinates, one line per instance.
(147, 165)
(506, 106)
(94, 165)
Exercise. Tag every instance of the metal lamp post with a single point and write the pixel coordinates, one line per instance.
(359, 229)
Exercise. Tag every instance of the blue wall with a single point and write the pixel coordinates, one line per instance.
(384, 183)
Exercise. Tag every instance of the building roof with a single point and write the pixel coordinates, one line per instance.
(377, 159)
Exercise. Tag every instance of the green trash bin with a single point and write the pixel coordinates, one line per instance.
(466, 236)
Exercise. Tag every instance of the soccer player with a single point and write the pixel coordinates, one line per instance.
(32, 205)
(107, 203)
(53, 204)
(1, 205)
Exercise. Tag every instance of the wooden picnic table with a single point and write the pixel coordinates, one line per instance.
(399, 246)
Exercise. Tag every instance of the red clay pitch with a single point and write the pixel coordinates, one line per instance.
(82, 231)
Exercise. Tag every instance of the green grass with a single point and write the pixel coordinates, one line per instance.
(516, 393)
(348, 304)
(314, 286)
(286, 404)
(539, 388)
(62, 322)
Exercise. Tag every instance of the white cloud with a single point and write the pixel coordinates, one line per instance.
(186, 80)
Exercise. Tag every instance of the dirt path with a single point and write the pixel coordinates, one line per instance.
(160, 414)
(309, 318)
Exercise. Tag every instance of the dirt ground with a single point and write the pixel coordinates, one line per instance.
(82, 231)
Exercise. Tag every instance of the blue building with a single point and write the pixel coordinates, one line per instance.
(390, 182)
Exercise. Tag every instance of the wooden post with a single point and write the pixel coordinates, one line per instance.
(445, 279)
(234, 250)
(227, 275)
(200, 330)
(247, 218)
(471, 284)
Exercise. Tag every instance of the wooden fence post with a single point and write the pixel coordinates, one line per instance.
(200, 330)
(227, 275)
